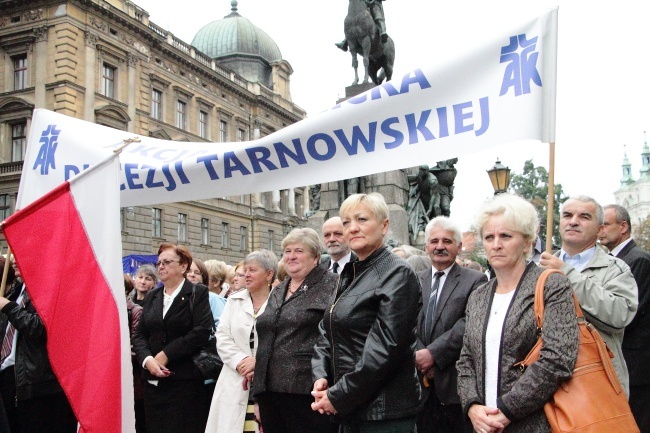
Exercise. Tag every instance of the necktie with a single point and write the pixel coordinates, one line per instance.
(431, 306)
(8, 342)
(335, 268)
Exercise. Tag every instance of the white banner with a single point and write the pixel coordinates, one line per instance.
(498, 92)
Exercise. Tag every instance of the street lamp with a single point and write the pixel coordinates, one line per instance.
(500, 177)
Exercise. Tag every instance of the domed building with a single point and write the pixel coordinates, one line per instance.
(105, 61)
(237, 44)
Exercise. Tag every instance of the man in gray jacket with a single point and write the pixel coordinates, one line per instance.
(603, 284)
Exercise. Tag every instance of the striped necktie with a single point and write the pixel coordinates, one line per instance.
(8, 341)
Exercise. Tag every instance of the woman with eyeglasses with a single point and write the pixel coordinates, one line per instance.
(287, 331)
(170, 333)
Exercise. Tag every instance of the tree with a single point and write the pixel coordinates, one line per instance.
(532, 184)
(642, 234)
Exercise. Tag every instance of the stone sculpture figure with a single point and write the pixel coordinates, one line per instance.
(424, 200)
(315, 197)
(445, 172)
(365, 35)
(356, 185)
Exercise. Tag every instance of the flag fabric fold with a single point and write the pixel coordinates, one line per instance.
(67, 245)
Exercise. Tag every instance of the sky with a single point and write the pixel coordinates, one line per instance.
(603, 85)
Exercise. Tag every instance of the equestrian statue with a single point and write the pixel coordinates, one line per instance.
(365, 35)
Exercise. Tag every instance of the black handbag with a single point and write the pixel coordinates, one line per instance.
(207, 361)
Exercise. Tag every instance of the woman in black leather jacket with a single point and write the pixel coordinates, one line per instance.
(363, 365)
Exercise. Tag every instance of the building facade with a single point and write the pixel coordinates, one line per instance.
(634, 194)
(103, 61)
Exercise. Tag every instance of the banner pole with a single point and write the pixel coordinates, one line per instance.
(5, 272)
(551, 198)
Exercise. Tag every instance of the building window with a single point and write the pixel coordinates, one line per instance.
(223, 131)
(243, 238)
(20, 71)
(181, 114)
(203, 124)
(4, 206)
(108, 81)
(225, 235)
(18, 142)
(271, 243)
(156, 223)
(182, 227)
(241, 134)
(205, 231)
(156, 104)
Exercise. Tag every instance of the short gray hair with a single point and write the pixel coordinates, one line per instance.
(374, 201)
(265, 258)
(518, 212)
(444, 223)
(600, 213)
(149, 271)
(306, 236)
(621, 214)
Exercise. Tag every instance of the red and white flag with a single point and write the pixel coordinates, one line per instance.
(68, 247)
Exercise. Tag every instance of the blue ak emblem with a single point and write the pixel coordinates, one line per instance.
(49, 142)
(522, 67)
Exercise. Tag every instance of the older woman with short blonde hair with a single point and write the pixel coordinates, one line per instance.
(501, 329)
(363, 366)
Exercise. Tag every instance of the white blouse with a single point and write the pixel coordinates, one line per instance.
(493, 333)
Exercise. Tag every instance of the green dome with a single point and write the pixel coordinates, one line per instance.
(239, 44)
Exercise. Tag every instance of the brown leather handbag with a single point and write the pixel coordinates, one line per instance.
(592, 401)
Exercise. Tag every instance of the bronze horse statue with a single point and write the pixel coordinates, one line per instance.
(364, 39)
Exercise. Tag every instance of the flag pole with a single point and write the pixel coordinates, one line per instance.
(550, 211)
(5, 272)
(549, 118)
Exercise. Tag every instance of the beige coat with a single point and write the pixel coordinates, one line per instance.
(228, 408)
(609, 297)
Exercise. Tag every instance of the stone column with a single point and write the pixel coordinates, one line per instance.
(275, 201)
(132, 63)
(91, 66)
(40, 64)
(305, 199)
(291, 202)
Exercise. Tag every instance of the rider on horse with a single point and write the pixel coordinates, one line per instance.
(377, 11)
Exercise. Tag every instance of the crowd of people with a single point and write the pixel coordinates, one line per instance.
(346, 334)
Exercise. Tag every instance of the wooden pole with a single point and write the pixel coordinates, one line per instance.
(5, 272)
(551, 198)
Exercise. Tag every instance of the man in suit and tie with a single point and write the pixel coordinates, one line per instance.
(336, 246)
(441, 325)
(615, 234)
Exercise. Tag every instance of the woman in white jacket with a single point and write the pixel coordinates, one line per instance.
(237, 342)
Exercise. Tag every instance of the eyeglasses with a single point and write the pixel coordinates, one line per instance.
(166, 262)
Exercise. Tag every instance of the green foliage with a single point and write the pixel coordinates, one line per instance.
(480, 259)
(532, 184)
(642, 234)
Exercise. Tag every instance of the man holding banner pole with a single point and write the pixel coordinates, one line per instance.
(602, 283)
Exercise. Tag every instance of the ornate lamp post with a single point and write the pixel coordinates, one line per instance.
(500, 177)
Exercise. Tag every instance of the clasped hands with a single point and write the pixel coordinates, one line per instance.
(487, 419)
(157, 365)
(322, 402)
